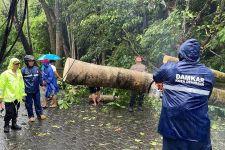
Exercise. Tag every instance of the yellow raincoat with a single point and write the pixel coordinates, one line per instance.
(12, 85)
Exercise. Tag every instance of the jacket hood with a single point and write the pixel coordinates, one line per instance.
(190, 50)
(13, 60)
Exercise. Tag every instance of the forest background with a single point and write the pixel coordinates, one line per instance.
(114, 31)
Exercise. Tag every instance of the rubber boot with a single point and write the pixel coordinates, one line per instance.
(6, 127)
(131, 109)
(15, 126)
(140, 108)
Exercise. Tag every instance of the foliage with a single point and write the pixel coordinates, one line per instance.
(214, 31)
(161, 37)
(39, 34)
(70, 95)
(38, 28)
(108, 27)
(122, 29)
(123, 95)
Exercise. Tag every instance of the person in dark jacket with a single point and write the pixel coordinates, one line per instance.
(32, 79)
(94, 90)
(187, 85)
(50, 80)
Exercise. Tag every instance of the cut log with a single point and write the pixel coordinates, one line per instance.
(167, 58)
(106, 97)
(220, 76)
(217, 97)
(81, 73)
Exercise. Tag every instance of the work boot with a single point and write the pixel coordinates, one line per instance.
(140, 108)
(6, 128)
(15, 126)
(131, 109)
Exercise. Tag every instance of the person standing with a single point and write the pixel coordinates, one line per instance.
(33, 79)
(94, 90)
(51, 84)
(12, 93)
(187, 85)
(138, 66)
(52, 64)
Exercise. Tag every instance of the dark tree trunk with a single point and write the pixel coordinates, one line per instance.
(28, 30)
(27, 47)
(59, 36)
(51, 24)
(103, 58)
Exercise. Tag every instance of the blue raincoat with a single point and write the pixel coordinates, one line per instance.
(187, 88)
(32, 78)
(50, 79)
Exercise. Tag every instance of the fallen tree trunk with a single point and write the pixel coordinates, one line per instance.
(217, 97)
(81, 73)
(220, 76)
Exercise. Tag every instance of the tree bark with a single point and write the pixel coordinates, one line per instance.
(23, 39)
(27, 47)
(59, 36)
(82, 73)
(73, 48)
(217, 97)
(28, 30)
(103, 58)
(71, 41)
(51, 24)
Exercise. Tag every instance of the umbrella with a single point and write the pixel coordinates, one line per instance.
(49, 57)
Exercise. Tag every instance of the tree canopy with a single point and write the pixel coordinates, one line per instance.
(114, 31)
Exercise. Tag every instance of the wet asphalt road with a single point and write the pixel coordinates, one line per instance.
(84, 127)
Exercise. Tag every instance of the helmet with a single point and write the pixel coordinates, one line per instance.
(27, 58)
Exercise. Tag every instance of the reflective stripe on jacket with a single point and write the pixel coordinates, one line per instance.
(187, 87)
(32, 78)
